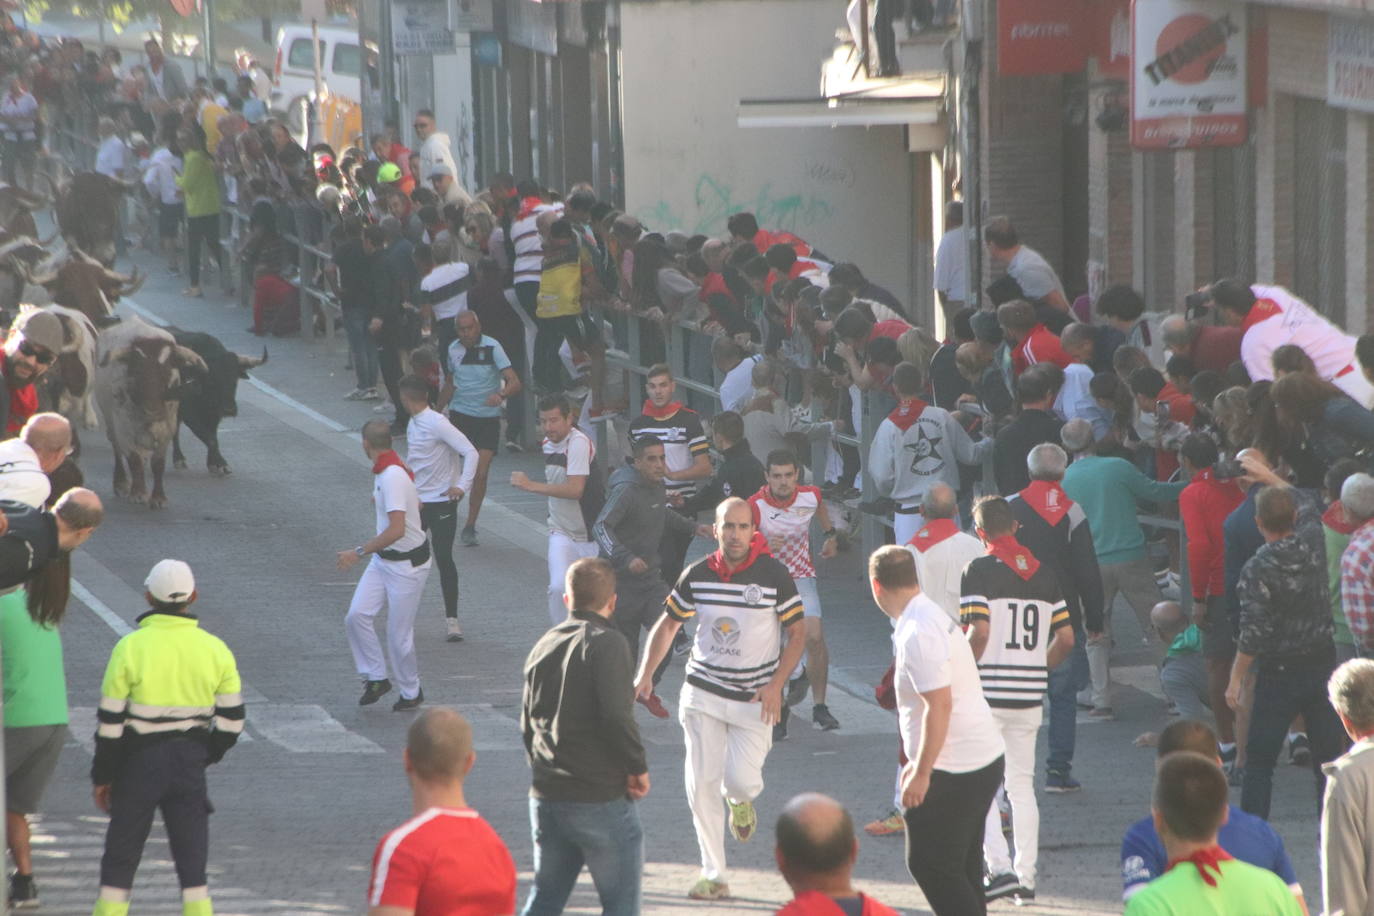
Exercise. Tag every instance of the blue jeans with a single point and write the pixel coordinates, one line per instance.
(604, 836)
(1065, 681)
(361, 345)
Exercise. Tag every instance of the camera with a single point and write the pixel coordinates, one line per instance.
(1196, 302)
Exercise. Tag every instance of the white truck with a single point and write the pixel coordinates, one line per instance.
(293, 77)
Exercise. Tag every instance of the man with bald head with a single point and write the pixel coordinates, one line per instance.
(749, 637)
(815, 852)
(941, 549)
(1183, 677)
(446, 858)
(1209, 346)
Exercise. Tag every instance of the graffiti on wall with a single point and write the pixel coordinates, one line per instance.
(715, 199)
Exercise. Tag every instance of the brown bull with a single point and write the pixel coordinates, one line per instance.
(87, 209)
(83, 283)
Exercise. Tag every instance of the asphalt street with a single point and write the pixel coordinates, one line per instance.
(301, 802)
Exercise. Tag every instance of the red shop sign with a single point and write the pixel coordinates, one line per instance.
(1036, 37)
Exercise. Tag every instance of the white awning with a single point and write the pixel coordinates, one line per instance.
(839, 112)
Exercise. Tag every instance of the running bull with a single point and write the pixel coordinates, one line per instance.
(139, 379)
(208, 399)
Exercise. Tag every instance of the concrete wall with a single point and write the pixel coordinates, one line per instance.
(688, 165)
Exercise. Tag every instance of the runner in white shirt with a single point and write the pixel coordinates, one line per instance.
(951, 260)
(575, 494)
(952, 743)
(394, 578)
(942, 550)
(783, 512)
(1271, 316)
(445, 463)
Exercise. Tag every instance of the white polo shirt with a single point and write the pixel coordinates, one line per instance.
(932, 652)
(738, 385)
(1330, 348)
(393, 491)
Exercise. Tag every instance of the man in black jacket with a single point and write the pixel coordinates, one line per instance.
(1036, 389)
(35, 538)
(588, 762)
(1055, 529)
(385, 326)
(739, 473)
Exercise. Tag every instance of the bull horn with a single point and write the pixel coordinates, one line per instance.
(249, 362)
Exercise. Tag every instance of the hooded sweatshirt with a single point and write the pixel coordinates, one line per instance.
(1285, 611)
(918, 445)
(632, 522)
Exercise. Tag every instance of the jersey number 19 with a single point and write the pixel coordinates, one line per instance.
(1025, 626)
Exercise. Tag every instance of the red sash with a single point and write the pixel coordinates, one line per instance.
(1009, 550)
(1048, 499)
(907, 413)
(388, 459)
(941, 529)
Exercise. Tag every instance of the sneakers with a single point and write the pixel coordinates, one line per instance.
(357, 394)
(373, 691)
(371, 394)
(1228, 757)
(780, 728)
(404, 705)
(1101, 713)
(1022, 895)
(468, 536)
(1299, 751)
(514, 447)
(708, 889)
(999, 886)
(797, 688)
(743, 820)
(890, 825)
(655, 706)
(455, 632)
(1056, 781)
(23, 892)
(820, 714)
(384, 407)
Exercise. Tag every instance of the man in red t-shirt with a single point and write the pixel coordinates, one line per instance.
(1033, 342)
(446, 860)
(33, 345)
(815, 852)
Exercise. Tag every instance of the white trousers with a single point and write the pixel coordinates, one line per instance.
(727, 742)
(563, 552)
(904, 527)
(1019, 728)
(396, 586)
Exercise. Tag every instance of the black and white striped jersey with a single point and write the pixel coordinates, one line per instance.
(740, 618)
(683, 438)
(1022, 616)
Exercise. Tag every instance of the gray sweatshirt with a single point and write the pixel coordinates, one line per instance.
(632, 522)
(918, 445)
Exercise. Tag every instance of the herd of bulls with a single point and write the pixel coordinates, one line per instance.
(145, 381)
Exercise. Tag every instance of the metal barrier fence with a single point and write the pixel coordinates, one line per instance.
(688, 352)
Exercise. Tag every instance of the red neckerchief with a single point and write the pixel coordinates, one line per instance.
(758, 547)
(1203, 859)
(940, 529)
(1334, 519)
(1009, 550)
(1048, 499)
(661, 413)
(907, 413)
(527, 206)
(1262, 309)
(389, 459)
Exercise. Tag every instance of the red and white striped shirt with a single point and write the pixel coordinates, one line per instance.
(444, 862)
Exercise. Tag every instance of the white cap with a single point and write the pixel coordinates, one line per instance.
(170, 582)
(21, 477)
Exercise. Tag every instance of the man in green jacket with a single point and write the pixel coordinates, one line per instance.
(1110, 490)
(159, 726)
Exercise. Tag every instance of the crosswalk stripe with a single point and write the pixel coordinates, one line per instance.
(306, 729)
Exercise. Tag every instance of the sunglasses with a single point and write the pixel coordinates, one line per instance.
(39, 353)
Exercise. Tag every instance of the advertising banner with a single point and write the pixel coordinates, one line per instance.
(1187, 74)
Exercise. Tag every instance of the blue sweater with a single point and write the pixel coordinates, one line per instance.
(1109, 490)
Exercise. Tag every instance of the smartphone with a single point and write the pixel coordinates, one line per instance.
(1162, 411)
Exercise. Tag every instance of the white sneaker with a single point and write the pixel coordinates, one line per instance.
(455, 632)
(371, 394)
(384, 407)
(357, 394)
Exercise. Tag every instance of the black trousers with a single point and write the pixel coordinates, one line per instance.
(1282, 690)
(168, 776)
(639, 603)
(441, 521)
(389, 364)
(944, 839)
(202, 229)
